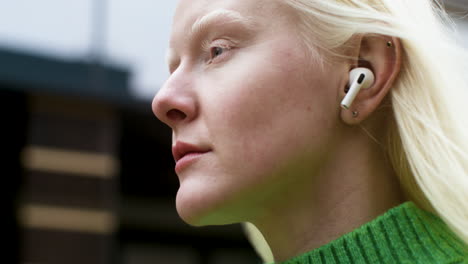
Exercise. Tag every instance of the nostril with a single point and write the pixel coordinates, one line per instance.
(176, 115)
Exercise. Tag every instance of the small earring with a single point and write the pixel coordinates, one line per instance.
(389, 44)
(355, 114)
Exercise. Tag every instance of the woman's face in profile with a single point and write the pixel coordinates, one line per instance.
(251, 110)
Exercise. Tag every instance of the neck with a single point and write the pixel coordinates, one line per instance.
(351, 188)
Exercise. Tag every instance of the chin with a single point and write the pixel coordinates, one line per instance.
(189, 214)
(202, 207)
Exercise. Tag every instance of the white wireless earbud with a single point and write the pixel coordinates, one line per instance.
(359, 78)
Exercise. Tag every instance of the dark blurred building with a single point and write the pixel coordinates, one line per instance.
(88, 173)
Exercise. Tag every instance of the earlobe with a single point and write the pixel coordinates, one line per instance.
(382, 54)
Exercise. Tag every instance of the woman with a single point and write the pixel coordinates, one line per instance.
(259, 135)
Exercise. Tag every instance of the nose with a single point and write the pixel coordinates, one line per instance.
(175, 102)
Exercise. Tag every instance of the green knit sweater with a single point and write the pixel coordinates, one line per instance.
(404, 234)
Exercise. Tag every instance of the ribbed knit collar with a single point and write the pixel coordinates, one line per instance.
(404, 234)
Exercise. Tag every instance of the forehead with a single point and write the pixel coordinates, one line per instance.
(189, 11)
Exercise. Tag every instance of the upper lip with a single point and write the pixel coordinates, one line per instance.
(180, 149)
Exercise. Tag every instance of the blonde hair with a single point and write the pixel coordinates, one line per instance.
(428, 138)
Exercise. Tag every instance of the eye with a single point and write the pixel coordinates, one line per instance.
(216, 51)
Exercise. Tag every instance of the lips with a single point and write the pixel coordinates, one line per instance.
(185, 153)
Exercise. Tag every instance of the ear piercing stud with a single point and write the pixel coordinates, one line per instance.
(355, 114)
(389, 44)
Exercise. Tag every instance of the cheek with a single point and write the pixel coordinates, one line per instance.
(267, 110)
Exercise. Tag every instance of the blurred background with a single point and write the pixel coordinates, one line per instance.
(89, 175)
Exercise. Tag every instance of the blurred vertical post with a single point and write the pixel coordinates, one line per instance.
(99, 31)
(98, 78)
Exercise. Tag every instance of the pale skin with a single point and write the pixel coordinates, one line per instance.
(282, 153)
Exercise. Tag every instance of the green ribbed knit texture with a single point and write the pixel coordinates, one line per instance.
(404, 234)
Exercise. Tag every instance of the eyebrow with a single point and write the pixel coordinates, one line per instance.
(220, 17)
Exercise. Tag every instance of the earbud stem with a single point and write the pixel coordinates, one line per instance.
(351, 95)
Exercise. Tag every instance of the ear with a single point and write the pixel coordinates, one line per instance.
(382, 54)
